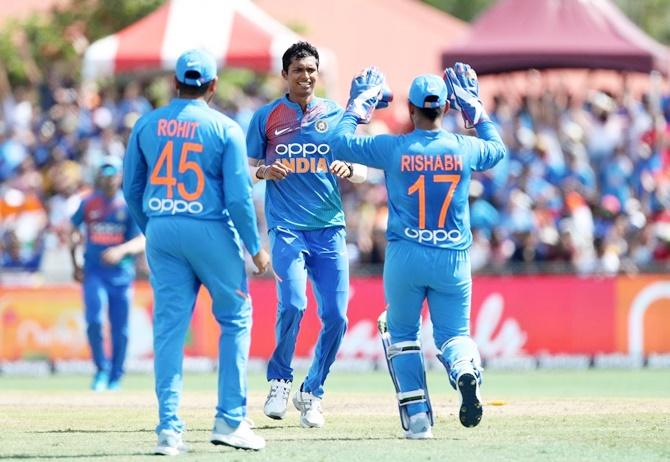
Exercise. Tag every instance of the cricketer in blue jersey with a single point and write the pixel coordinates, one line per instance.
(427, 175)
(187, 184)
(111, 238)
(289, 145)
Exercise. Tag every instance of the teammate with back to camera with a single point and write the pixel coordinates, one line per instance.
(187, 184)
(111, 240)
(289, 146)
(427, 174)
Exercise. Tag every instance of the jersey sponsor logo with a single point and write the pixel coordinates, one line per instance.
(175, 206)
(102, 233)
(302, 149)
(279, 132)
(321, 126)
(434, 236)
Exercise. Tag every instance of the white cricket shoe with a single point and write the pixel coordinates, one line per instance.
(277, 400)
(419, 427)
(170, 443)
(470, 408)
(309, 406)
(242, 437)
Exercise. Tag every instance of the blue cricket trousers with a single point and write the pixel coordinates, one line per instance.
(414, 273)
(104, 287)
(183, 253)
(320, 254)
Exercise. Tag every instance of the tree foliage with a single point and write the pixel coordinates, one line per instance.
(653, 16)
(29, 47)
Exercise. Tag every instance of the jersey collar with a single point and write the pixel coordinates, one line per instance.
(310, 105)
(185, 101)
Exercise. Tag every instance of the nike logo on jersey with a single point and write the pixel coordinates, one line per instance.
(279, 132)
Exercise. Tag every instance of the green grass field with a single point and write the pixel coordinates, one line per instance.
(593, 415)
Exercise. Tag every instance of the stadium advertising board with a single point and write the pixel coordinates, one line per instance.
(511, 317)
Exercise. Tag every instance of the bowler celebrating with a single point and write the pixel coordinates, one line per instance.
(289, 145)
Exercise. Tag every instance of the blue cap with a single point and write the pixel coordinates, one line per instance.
(196, 68)
(428, 85)
(110, 166)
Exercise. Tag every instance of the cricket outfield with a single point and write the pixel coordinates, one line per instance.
(539, 415)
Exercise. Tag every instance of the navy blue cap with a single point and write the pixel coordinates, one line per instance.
(428, 85)
(195, 68)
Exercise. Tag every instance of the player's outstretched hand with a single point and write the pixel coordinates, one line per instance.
(262, 261)
(366, 90)
(463, 93)
(275, 171)
(342, 169)
(385, 98)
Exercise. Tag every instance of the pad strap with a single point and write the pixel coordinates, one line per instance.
(404, 348)
(411, 397)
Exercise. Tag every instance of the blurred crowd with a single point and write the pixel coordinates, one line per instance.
(586, 187)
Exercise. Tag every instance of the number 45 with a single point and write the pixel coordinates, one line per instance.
(420, 186)
(184, 166)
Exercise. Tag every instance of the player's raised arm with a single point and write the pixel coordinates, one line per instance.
(135, 178)
(366, 89)
(463, 91)
(237, 189)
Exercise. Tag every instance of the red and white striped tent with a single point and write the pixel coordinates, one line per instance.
(237, 32)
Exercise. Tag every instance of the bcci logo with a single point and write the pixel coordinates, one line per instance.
(321, 126)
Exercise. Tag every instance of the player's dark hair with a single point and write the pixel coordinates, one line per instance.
(299, 50)
(191, 91)
(430, 113)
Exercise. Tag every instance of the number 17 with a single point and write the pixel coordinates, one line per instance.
(420, 186)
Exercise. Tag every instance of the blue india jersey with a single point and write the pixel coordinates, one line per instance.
(190, 160)
(427, 176)
(107, 223)
(308, 198)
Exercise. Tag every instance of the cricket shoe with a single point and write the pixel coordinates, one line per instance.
(277, 401)
(309, 406)
(419, 427)
(470, 409)
(241, 437)
(99, 382)
(114, 385)
(170, 443)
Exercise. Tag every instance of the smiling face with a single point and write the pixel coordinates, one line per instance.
(301, 76)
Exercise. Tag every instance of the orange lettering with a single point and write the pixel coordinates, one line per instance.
(438, 163)
(302, 165)
(405, 161)
(193, 127)
(428, 162)
(162, 123)
(172, 127)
